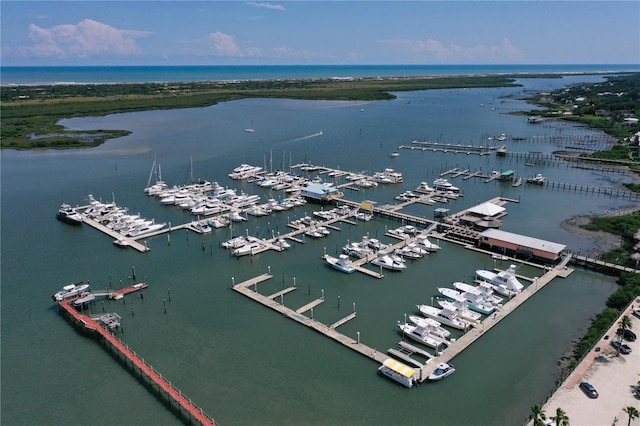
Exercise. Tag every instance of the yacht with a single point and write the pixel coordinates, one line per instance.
(144, 229)
(249, 248)
(389, 261)
(411, 251)
(282, 243)
(341, 263)
(443, 370)
(357, 250)
(71, 291)
(235, 242)
(504, 282)
(69, 215)
(432, 325)
(469, 299)
(461, 308)
(421, 335)
(484, 290)
(424, 242)
(445, 316)
(538, 179)
(424, 188)
(442, 184)
(200, 227)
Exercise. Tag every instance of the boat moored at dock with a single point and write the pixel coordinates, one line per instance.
(399, 372)
(119, 294)
(443, 370)
(70, 291)
(68, 214)
(341, 263)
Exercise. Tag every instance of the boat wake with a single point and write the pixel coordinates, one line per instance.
(314, 135)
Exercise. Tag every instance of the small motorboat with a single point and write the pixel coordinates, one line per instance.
(443, 370)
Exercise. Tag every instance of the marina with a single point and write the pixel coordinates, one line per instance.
(218, 347)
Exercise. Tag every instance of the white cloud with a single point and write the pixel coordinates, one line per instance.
(266, 5)
(87, 38)
(225, 44)
(436, 51)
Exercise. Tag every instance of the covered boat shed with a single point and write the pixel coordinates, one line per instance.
(516, 244)
(484, 216)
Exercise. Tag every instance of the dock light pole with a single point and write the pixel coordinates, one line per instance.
(338, 302)
(535, 281)
(311, 313)
(358, 334)
(269, 269)
(322, 294)
(354, 306)
(294, 281)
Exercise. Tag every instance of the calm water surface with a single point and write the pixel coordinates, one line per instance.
(241, 362)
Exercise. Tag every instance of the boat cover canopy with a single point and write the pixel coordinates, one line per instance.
(399, 367)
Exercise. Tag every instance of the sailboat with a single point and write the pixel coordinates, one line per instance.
(250, 129)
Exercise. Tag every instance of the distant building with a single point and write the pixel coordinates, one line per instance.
(521, 245)
(321, 193)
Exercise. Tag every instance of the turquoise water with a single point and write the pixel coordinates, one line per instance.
(243, 363)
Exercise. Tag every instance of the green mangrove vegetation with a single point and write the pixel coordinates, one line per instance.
(30, 113)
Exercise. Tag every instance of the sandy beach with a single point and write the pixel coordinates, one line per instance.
(614, 377)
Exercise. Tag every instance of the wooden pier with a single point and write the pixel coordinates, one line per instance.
(185, 407)
(245, 288)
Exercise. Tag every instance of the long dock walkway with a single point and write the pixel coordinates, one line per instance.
(245, 288)
(185, 404)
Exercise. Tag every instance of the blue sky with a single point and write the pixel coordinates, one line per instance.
(319, 32)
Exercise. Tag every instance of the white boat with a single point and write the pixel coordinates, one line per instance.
(218, 222)
(71, 291)
(424, 242)
(421, 335)
(144, 229)
(236, 217)
(443, 370)
(341, 263)
(461, 308)
(363, 216)
(389, 261)
(445, 316)
(249, 248)
(504, 282)
(69, 215)
(200, 227)
(282, 243)
(357, 250)
(538, 179)
(484, 290)
(235, 242)
(121, 242)
(432, 325)
(471, 300)
(424, 188)
(399, 372)
(442, 184)
(411, 251)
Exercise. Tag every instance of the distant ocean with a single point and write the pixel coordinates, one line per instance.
(143, 74)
